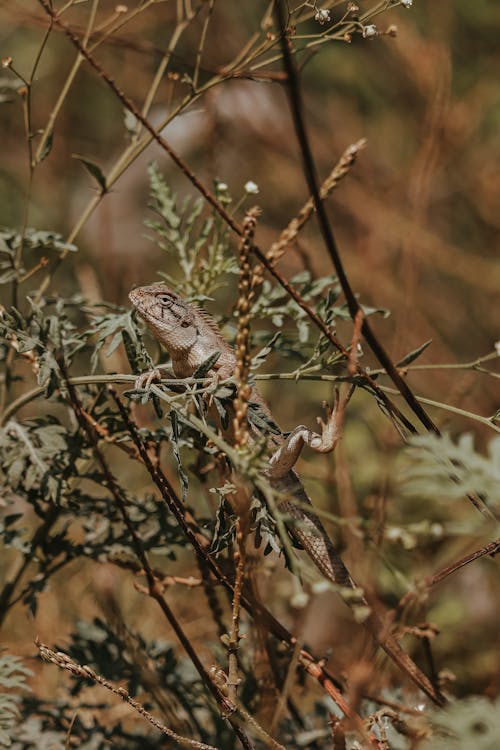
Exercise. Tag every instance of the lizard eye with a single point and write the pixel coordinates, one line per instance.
(185, 324)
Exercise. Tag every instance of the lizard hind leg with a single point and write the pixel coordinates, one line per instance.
(285, 458)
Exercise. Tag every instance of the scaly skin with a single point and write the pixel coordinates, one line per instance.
(190, 336)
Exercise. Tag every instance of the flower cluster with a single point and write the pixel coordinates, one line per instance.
(322, 16)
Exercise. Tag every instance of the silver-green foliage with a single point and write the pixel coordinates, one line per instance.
(13, 675)
(197, 244)
(469, 724)
(440, 467)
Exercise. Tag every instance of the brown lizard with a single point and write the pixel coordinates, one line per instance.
(190, 337)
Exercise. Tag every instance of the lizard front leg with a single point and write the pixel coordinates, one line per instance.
(144, 380)
(285, 458)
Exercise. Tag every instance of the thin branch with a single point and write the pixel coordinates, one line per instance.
(266, 738)
(254, 607)
(49, 127)
(291, 231)
(488, 421)
(234, 637)
(201, 45)
(492, 549)
(35, 393)
(63, 661)
(212, 200)
(155, 589)
(295, 97)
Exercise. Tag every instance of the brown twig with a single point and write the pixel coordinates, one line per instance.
(353, 364)
(212, 200)
(489, 549)
(241, 500)
(255, 608)
(392, 371)
(242, 351)
(63, 661)
(166, 581)
(295, 98)
(266, 738)
(145, 47)
(154, 587)
(291, 231)
(350, 713)
(234, 638)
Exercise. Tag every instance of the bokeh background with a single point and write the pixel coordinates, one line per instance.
(417, 220)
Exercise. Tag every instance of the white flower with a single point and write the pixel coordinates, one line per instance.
(299, 600)
(369, 31)
(322, 16)
(407, 3)
(251, 187)
(222, 187)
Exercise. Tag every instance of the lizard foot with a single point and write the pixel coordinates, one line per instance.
(330, 429)
(215, 378)
(286, 456)
(144, 380)
(213, 383)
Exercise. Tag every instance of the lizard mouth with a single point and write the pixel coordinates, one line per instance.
(135, 297)
(141, 304)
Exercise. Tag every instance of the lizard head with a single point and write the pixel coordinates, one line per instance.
(170, 319)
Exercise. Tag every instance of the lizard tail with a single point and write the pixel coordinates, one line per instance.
(311, 534)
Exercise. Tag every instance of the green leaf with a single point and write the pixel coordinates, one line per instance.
(225, 523)
(412, 356)
(207, 365)
(47, 146)
(174, 419)
(94, 170)
(261, 356)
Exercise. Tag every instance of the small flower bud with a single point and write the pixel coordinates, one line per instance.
(322, 16)
(299, 600)
(370, 31)
(251, 188)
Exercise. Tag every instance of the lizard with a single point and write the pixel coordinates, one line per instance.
(191, 337)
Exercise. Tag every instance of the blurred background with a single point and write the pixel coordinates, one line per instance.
(417, 218)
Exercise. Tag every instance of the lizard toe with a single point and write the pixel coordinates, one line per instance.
(144, 380)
